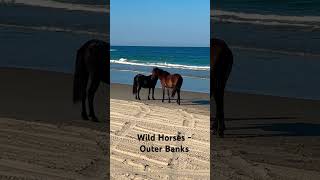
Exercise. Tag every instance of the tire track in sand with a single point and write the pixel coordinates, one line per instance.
(130, 118)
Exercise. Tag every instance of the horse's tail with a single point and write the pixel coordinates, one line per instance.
(134, 86)
(77, 78)
(177, 86)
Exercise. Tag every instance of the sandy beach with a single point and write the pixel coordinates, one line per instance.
(130, 117)
(42, 133)
(267, 137)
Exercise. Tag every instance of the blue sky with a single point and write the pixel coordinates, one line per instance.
(160, 22)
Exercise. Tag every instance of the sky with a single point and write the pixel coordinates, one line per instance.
(160, 23)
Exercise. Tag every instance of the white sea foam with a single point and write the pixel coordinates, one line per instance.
(265, 19)
(62, 5)
(54, 29)
(162, 65)
(277, 51)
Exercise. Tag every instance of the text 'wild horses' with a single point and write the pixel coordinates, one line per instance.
(142, 81)
(92, 63)
(221, 64)
(169, 81)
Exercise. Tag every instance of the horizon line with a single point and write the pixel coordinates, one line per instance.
(159, 46)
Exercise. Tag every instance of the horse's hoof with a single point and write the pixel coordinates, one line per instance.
(148, 98)
(220, 134)
(84, 117)
(213, 129)
(94, 119)
(153, 98)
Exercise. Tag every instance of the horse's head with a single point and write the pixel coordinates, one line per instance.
(155, 73)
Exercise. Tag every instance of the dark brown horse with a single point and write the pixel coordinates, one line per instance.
(142, 81)
(169, 81)
(92, 63)
(221, 65)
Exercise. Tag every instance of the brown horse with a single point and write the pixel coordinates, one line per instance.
(169, 81)
(93, 62)
(221, 64)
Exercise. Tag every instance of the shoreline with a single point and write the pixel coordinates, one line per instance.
(189, 100)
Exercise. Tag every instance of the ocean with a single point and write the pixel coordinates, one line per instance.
(193, 63)
(275, 45)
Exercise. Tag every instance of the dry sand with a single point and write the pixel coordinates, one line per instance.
(41, 133)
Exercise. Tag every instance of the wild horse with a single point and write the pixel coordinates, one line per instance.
(168, 80)
(221, 65)
(142, 81)
(92, 62)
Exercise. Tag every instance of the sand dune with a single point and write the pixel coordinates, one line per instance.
(130, 118)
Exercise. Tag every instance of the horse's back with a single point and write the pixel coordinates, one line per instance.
(95, 55)
(96, 50)
(138, 76)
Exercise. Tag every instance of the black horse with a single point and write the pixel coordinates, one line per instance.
(221, 65)
(93, 62)
(142, 81)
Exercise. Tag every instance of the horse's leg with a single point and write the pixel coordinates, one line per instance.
(136, 92)
(95, 81)
(139, 88)
(168, 94)
(163, 92)
(153, 94)
(84, 114)
(178, 98)
(219, 124)
(149, 94)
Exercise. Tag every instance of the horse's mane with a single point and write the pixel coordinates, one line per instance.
(160, 70)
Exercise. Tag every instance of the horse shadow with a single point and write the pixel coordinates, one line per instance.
(187, 102)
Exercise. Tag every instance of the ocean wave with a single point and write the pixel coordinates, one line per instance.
(162, 65)
(111, 50)
(63, 5)
(54, 29)
(265, 19)
(284, 52)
